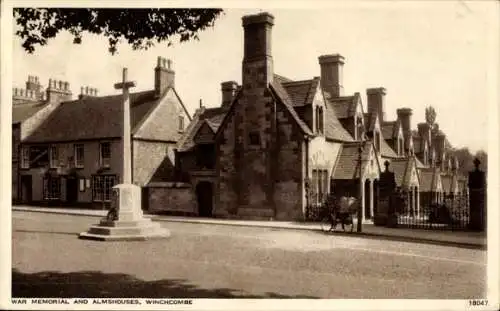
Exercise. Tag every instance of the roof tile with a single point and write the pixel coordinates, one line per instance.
(93, 118)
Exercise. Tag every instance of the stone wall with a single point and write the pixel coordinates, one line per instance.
(171, 197)
(163, 122)
(16, 140)
(147, 158)
(289, 189)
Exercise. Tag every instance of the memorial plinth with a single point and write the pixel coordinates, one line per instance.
(125, 220)
(130, 224)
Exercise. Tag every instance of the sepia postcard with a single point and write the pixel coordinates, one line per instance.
(249, 155)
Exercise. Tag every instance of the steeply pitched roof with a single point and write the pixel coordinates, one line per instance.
(419, 163)
(333, 128)
(389, 129)
(386, 150)
(399, 167)
(344, 106)
(93, 117)
(281, 79)
(285, 99)
(212, 116)
(21, 112)
(301, 93)
(348, 162)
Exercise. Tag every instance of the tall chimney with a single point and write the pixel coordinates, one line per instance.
(404, 115)
(332, 75)
(424, 130)
(376, 102)
(164, 75)
(229, 89)
(257, 58)
(58, 91)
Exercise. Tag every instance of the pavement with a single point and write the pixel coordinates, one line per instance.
(464, 239)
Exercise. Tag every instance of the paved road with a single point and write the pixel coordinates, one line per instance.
(224, 261)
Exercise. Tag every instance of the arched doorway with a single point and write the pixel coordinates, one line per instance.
(204, 195)
(367, 200)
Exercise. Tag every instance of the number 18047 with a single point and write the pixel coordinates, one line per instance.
(478, 302)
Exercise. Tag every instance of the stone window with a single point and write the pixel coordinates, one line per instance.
(54, 156)
(254, 138)
(102, 186)
(105, 154)
(181, 123)
(79, 155)
(52, 188)
(320, 186)
(25, 157)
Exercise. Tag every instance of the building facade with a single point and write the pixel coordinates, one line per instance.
(74, 156)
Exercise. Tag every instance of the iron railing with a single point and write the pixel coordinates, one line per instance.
(452, 214)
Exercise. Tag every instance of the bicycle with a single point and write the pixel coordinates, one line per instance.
(334, 214)
(329, 223)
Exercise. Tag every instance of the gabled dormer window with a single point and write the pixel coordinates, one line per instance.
(400, 146)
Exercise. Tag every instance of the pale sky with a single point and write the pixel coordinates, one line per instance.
(424, 53)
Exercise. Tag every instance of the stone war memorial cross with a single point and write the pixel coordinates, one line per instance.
(130, 224)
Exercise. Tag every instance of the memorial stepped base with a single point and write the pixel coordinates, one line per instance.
(129, 230)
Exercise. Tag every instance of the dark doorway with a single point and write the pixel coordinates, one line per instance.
(375, 196)
(71, 190)
(367, 200)
(26, 188)
(204, 195)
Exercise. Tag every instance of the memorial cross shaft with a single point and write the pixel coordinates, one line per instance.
(127, 148)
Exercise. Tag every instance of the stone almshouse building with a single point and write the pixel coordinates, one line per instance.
(274, 147)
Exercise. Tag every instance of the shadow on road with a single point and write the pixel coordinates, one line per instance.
(95, 284)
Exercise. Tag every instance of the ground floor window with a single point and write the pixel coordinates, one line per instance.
(102, 186)
(52, 188)
(319, 186)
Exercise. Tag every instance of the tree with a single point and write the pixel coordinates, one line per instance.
(430, 116)
(141, 28)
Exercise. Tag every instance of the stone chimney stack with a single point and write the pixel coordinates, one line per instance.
(58, 91)
(87, 91)
(376, 102)
(404, 115)
(424, 130)
(164, 75)
(33, 84)
(332, 67)
(229, 89)
(258, 69)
